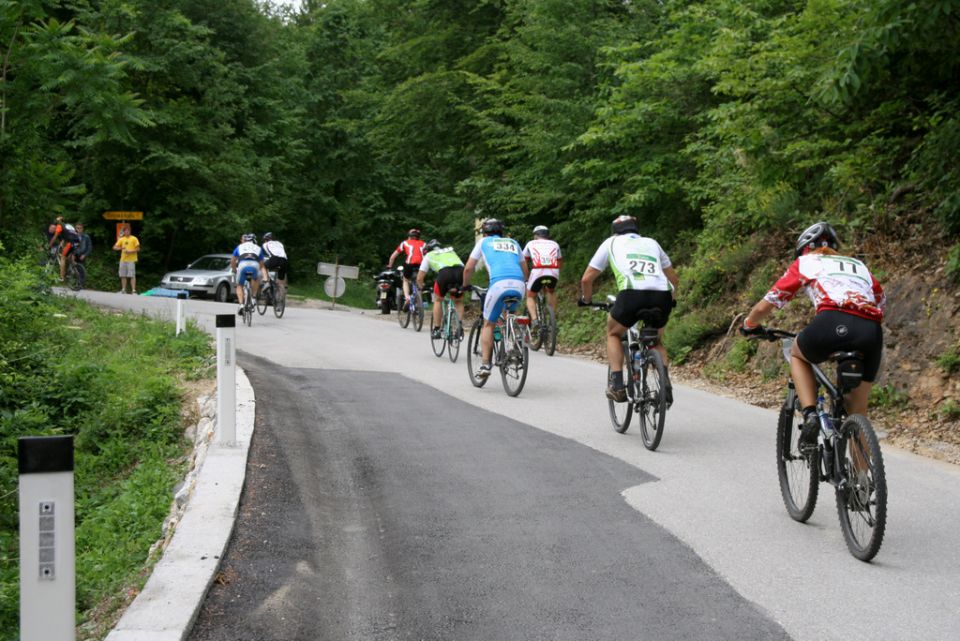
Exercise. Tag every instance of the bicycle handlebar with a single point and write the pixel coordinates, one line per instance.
(600, 306)
(772, 334)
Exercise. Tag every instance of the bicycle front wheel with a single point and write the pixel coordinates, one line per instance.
(262, 301)
(621, 413)
(548, 330)
(438, 343)
(455, 330)
(73, 276)
(474, 355)
(799, 472)
(279, 301)
(403, 311)
(513, 368)
(862, 501)
(417, 311)
(652, 400)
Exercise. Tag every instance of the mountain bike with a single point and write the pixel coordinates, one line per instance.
(546, 333)
(248, 304)
(272, 293)
(847, 458)
(75, 273)
(644, 376)
(412, 308)
(511, 354)
(451, 332)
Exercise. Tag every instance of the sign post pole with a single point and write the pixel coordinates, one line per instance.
(179, 315)
(47, 549)
(226, 379)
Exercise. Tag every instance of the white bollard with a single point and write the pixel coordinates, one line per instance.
(226, 379)
(47, 553)
(179, 316)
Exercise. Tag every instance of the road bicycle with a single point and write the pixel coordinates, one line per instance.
(451, 332)
(847, 458)
(412, 308)
(248, 304)
(546, 333)
(272, 293)
(511, 353)
(644, 376)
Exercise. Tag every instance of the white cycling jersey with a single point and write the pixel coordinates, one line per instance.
(637, 262)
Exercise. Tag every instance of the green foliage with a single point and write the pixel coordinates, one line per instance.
(953, 264)
(740, 354)
(949, 361)
(950, 411)
(887, 396)
(691, 329)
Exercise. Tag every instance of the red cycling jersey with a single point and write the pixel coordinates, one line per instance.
(832, 282)
(412, 249)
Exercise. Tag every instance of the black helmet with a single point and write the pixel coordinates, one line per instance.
(249, 238)
(413, 233)
(540, 231)
(817, 235)
(624, 224)
(492, 226)
(433, 244)
(267, 236)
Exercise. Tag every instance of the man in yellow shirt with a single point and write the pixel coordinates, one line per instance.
(129, 248)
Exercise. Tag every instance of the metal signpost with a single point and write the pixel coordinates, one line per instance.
(47, 553)
(226, 379)
(334, 286)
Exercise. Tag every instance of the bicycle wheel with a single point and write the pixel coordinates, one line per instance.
(621, 413)
(548, 330)
(474, 355)
(438, 343)
(536, 336)
(862, 501)
(418, 311)
(73, 276)
(799, 473)
(455, 329)
(247, 305)
(262, 300)
(514, 366)
(653, 400)
(279, 301)
(403, 311)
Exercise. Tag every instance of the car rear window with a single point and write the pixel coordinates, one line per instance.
(215, 263)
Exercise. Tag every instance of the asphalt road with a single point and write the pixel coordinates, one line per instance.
(390, 524)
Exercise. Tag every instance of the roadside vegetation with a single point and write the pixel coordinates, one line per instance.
(113, 381)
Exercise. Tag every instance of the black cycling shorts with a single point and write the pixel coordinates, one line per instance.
(544, 282)
(448, 278)
(277, 264)
(835, 331)
(651, 306)
(410, 270)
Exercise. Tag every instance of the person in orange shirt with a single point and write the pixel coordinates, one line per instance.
(129, 248)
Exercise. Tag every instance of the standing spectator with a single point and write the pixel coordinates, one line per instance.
(129, 248)
(84, 248)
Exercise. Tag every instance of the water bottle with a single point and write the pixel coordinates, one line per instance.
(496, 332)
(637, 360)
(826, 424)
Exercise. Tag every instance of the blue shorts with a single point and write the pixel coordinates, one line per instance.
(247, 269)
(493, 303)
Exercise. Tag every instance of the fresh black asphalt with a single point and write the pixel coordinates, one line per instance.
(377, 508)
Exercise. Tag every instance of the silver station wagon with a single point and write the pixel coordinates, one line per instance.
(209, 276)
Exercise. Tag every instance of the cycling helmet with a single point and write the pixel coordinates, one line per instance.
(818, 235)
(540, 231)
(624, 224)
(433, 244)
(249, 238)
(413, 233)
(492, 226)
(267, 236)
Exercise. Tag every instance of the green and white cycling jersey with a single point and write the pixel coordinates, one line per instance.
(637, 262)
(439, 258)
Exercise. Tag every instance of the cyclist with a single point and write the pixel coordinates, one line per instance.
(412, 250)
(274, 256)
(508, 273)
(849, 309)
(646, 281)
(449, 268)
(545, 259)
(246, 263)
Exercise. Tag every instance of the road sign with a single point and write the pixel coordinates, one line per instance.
(334, 287)
(335, 269)
(123, 215)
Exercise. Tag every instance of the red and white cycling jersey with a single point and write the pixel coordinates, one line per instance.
(412, 249)
(832, 282)
(543, 253)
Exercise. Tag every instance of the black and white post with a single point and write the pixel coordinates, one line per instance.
(180, 318)
(226, 379)
(47, 550)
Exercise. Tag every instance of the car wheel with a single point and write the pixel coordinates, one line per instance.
(223, 293)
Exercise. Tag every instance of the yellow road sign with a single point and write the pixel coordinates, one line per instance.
(123, 215)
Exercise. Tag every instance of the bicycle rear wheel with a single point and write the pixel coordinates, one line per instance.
(247, 305)
(455, 336)
(513, 368)
(438, 343)
(548, 330)
(862, 503)
(799, 473)
(279, 301)
(262, 300)
(474, 354)
(536, 335)
(403, 311)
(621, 413)
(418, 311)
(653, 400)
(73, 276)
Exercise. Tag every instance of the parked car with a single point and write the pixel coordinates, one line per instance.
(209, 276)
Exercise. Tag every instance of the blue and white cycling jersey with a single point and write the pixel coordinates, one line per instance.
(502, 257)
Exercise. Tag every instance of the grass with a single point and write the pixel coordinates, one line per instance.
(950, 411)
(359, 293)
(888, 397)
(949, 361)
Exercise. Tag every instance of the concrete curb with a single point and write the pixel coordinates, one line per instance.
(168, 604)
